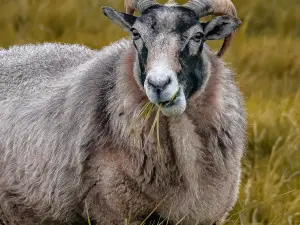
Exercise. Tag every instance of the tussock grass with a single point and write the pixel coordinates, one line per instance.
(265, 56)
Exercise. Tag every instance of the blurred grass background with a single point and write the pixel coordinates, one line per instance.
(265, 56)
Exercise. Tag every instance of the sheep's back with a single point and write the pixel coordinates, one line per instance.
(48, 102)
(28, 68)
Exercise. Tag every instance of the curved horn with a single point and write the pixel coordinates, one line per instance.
(211, 7)
(214, 7)
(140, 5)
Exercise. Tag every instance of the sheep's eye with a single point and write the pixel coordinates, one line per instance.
(197, 37)
(135, 34)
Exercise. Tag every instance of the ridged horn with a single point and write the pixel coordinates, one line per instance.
(140, 5)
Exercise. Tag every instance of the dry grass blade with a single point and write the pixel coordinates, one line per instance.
(126, 222)
(158, 146)
(144, 221)
(139, 123)
(151, 132)
(181, 220)
(148, 112)
(88, 215)
(144, 114)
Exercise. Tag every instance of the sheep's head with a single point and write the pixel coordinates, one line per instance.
(169, 41)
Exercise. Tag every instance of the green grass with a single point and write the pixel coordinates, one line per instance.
(265, 56)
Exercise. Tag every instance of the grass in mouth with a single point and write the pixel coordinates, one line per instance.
(144, 116)
(155, 124)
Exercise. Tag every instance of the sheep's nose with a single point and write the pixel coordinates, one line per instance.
(158, 80)
(159, 84)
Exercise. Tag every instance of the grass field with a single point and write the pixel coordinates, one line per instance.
(266, 58)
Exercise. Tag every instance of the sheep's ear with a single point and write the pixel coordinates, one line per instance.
(122, 19)
(220, 27)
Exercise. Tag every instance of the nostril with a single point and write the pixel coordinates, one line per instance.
(151, 83)
(161, 84)
(168, 82)
(164, 83)
(158, 91)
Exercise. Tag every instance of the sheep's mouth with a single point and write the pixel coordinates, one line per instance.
(170, 102)
(167, 103)
(176, 106)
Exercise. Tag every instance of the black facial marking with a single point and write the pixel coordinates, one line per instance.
(192, 76)
(187, 19)
(200, 48)
(142, 55)
(153, 25)
(184, 54)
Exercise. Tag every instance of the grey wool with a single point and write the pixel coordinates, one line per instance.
(66, 149)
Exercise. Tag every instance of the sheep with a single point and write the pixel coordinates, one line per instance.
(2, 52)
(66, 151)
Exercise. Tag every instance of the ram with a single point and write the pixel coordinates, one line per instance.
(73, 142)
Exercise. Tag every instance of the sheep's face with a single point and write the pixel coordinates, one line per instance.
(169, 42)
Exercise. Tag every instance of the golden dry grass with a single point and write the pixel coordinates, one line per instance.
(265, 56)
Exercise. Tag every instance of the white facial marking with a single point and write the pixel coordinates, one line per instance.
(161, 85)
